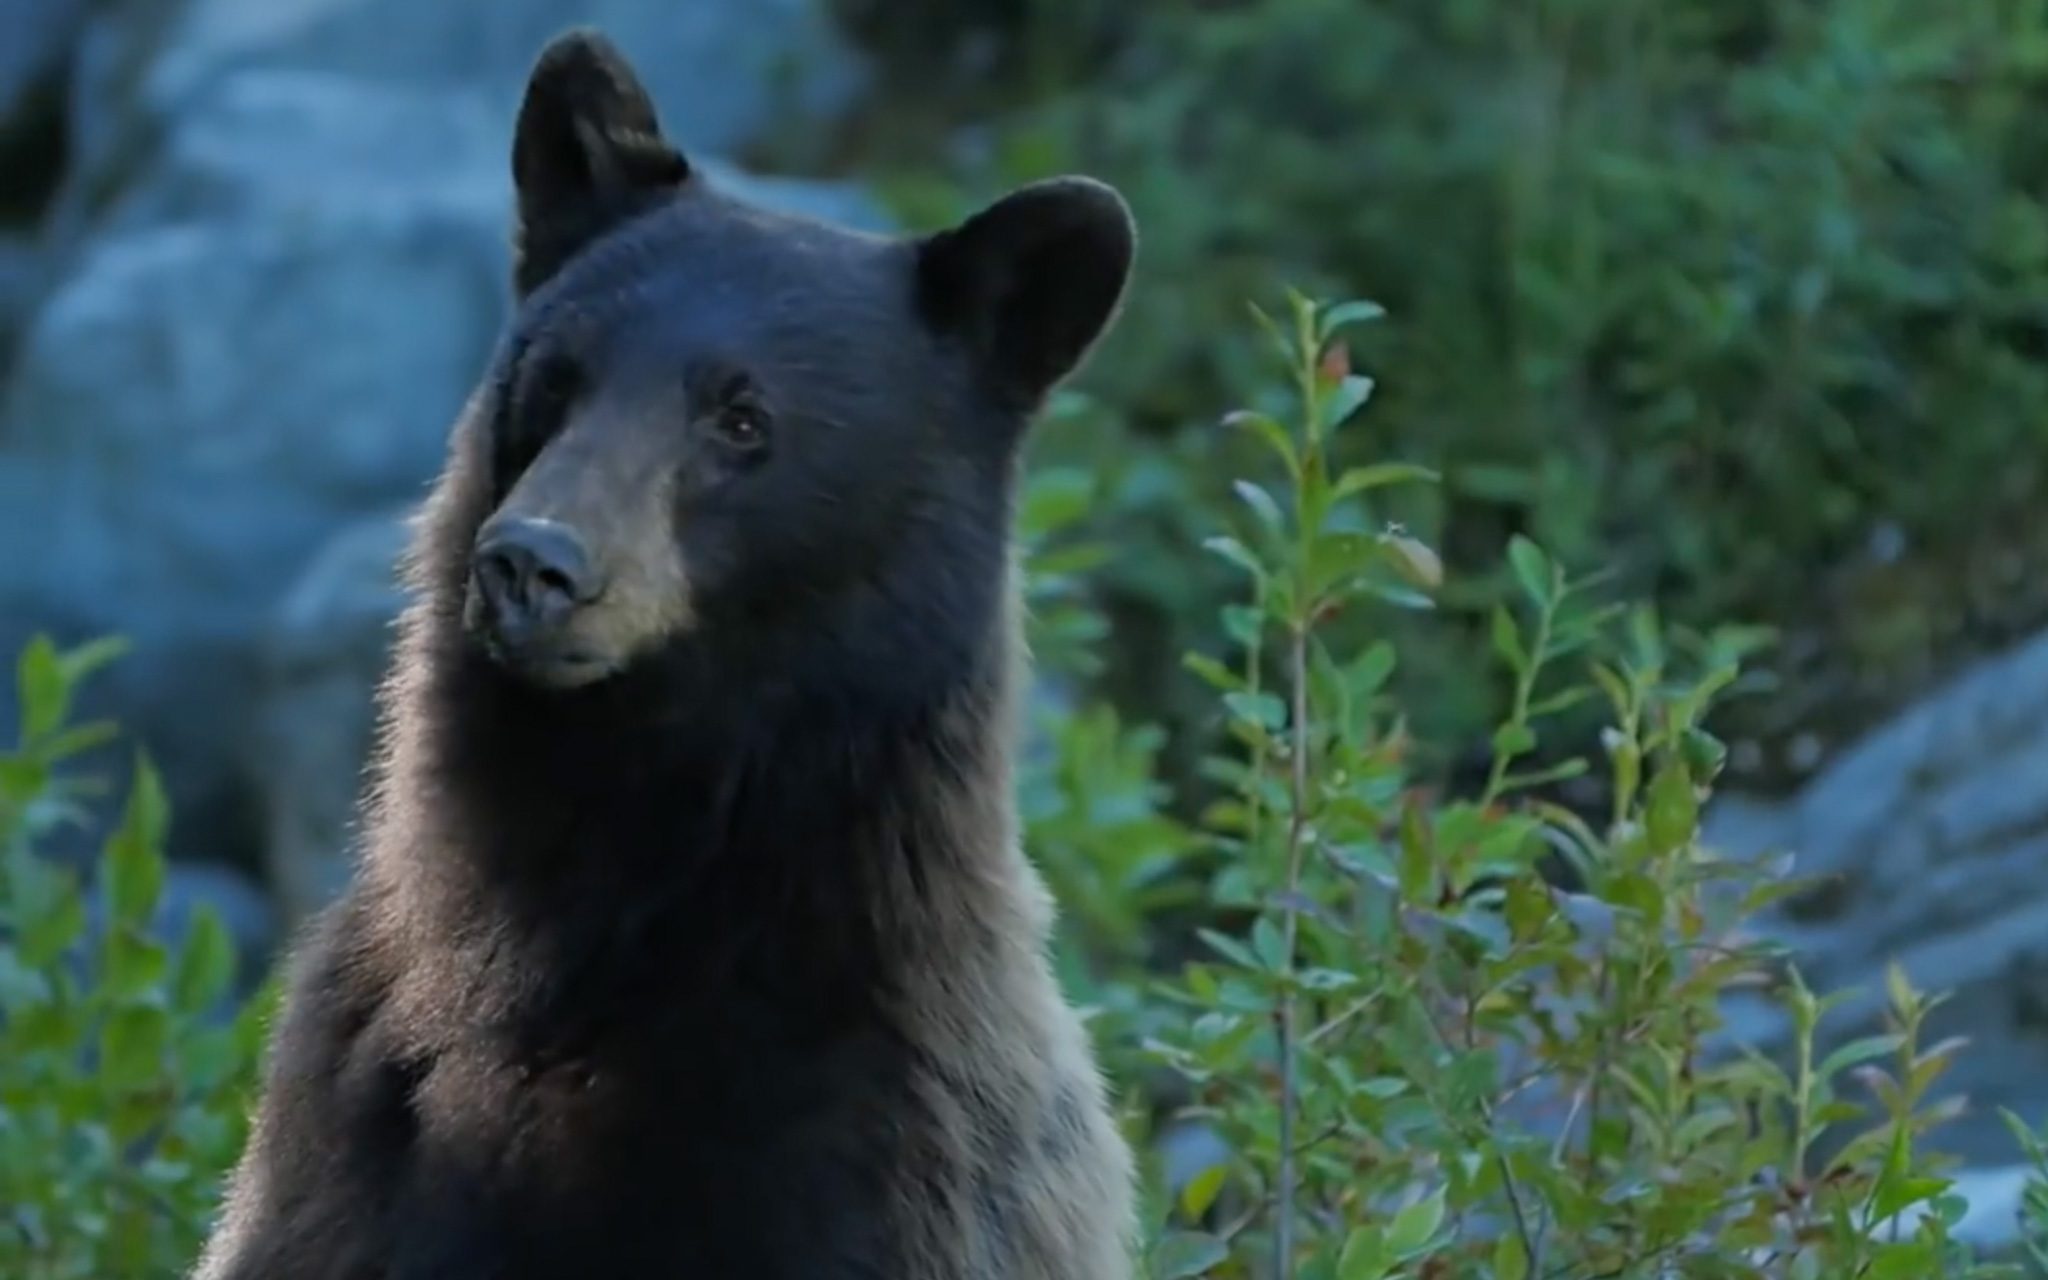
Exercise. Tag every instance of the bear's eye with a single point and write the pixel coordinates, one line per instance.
(555, 386)
(742, 425)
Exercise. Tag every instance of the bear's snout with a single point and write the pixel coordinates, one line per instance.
(528, 578)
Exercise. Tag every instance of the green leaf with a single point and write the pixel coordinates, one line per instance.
(1282, 344)
(91, 656)
(1339, 557)
(46, 934)
(1360, 479)
(1704, 753)
(1399, 596)
(1243, 623)
(132, 1046)
(1513, 740)
(1270, 944)
(1857, 1052)
(1201, 1191)
(1182, 1254)
(205, 966)
(134, 864)
(78, 739)
(1364, 1256)
(1559, 772)
(1345, 314)
(1415, 561)
(1896, 1194)
(1529, 907)
(1418, 863)
(1510, 1260)
(1261, 503)
(1350, 395)
(1369, 671)
(45, 693)
(1532, 569)
(1262, 709)
(135, 963)
(1236, 552)
(1673, 810)
(1230, 949)
(1275, 436)
(1413, 1227)
(1212, 672)
(20, 985)
(1507, 640)
(1055, 498)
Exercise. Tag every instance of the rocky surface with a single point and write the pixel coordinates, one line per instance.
(39, 37)
(196, 407)
(1929, 841)
(21, 281)
(724, 70)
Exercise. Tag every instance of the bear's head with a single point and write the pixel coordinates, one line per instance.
(741, 439)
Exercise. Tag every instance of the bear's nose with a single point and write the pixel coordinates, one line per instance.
(531, 572)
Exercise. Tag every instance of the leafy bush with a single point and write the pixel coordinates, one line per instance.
(1737, 299)
(122, 1075)
(1445, 1037)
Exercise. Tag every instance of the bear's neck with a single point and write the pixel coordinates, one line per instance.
(806, 838)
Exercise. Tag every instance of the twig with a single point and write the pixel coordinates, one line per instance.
(1532, 1241)
(1283, 1011)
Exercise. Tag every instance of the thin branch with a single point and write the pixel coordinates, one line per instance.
(1283, 1011)
(1532, 1241)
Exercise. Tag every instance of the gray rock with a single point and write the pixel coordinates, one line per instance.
(107, 133)
(203, 402)
(717, 67)
(1932, 839)
(1186, 1151)
(287, 145)
(274, 143)
(324, 651)
(22, 270)
(1995, 1196)
(39, 34)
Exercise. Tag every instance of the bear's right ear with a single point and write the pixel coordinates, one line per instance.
(587, 153)
(1031, 281)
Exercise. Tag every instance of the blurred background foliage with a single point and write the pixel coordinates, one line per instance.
(1741, 300)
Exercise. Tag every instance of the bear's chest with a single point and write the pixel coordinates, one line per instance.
(732, 1155)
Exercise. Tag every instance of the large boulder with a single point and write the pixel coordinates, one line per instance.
(221, 383)
(22, 269)
(278, 146)
(724, 70)
(39, 35)
(1929, 840)
(106, 134)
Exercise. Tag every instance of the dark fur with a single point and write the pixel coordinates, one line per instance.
(726, 963)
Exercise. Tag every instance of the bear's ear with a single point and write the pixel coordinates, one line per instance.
(1031, 281)
(587, 153)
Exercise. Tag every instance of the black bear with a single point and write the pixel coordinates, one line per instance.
(691, 935)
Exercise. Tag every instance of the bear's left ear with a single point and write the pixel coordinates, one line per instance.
(587, 153)
(1031, 281)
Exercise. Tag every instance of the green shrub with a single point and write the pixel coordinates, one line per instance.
(122, 1076)
(1736, 298)
(1470, 1037)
